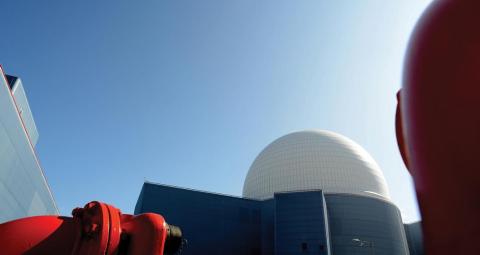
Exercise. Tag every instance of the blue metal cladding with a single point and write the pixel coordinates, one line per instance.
(363, 225)
(23, 188)
(414, 235)
(268, 227)
(307, 222)
(212, 223)
(300, 224)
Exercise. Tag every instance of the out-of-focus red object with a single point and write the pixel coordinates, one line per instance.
(96, 229)
(438, 124)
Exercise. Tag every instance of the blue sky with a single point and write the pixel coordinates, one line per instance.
(187, 93)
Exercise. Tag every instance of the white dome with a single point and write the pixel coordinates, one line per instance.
(314, 160)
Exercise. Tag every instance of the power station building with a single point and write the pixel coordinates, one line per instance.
(309, 192)
(23, 187)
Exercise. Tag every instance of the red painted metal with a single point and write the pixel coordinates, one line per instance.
(438, 124)
(96, 229)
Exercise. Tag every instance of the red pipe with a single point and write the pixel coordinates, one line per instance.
(96, 229)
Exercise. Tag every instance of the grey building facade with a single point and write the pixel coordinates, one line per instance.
(23, 187)
(304, 222)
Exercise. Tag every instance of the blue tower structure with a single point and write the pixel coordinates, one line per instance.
(303, 222)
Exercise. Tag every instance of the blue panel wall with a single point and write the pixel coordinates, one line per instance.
(414, 235)
(364, 225)
(212, 223)
(290, 223)
(23, 188)
(300, 224)
(268, 227)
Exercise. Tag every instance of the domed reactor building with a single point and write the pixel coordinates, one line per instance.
(309, 192)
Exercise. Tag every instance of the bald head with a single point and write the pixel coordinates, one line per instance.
(438, 123)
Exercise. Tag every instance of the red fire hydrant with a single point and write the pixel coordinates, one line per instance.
(96, 229)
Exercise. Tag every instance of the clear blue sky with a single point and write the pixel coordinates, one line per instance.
(187, 93)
